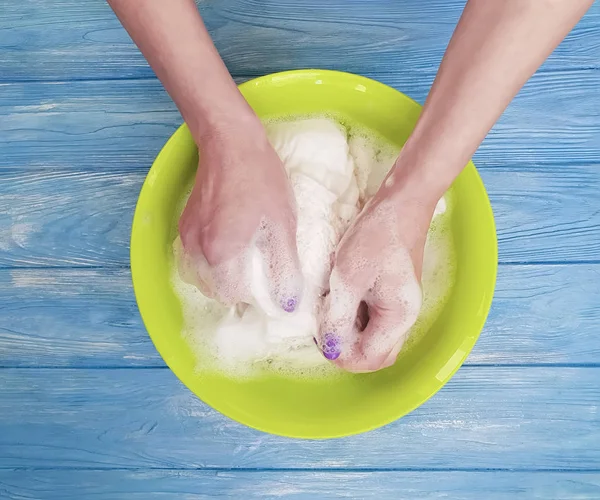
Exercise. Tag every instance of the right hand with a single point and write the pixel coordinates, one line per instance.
(375, 295)
(241, 199)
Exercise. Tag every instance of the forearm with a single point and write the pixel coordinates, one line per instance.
(495, 48)
(172, 37)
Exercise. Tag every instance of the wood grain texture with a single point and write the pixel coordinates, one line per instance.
(88, 318)
(551, 125)
(66, 217)
(71, 39)
(50, 217)
(71, 318)
(87, 407)
(92, 125)
(485, 417)
(296, 485)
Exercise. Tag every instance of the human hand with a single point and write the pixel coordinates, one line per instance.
(375, 293)
(241, 209)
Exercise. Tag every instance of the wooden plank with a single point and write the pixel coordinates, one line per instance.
(506, 418)
(99, 125)
(546, 216)
(542, 314)
(273, 484)
(72, 218)
(88, 318)
(66, 217)
(123, 124)
(71, 318)
(548, 124)
(254, 37)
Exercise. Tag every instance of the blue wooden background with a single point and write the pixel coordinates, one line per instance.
(87, 407)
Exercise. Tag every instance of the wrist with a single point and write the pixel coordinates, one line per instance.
(232, 138)
(412, 178)
(224, 119)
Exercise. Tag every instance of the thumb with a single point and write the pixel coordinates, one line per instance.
(338, 333)
(284, 275)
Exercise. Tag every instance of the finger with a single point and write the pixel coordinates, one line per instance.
(225, 282)
(338, 332)
(388, 327)
(192, 270)
(282, 267)
(382, 335)
(231, 280)
(199, 283)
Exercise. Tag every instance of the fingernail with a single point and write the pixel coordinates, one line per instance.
(331, 346)
(290, 305)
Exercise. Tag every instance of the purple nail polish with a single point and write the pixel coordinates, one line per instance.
(290, 305)
(331, 346)
(332, 355)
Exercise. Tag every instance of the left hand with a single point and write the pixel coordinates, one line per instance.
(241, 199)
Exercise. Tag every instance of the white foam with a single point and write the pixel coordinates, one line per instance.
(332, 175)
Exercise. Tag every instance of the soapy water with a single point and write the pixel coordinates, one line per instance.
(333, 172)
